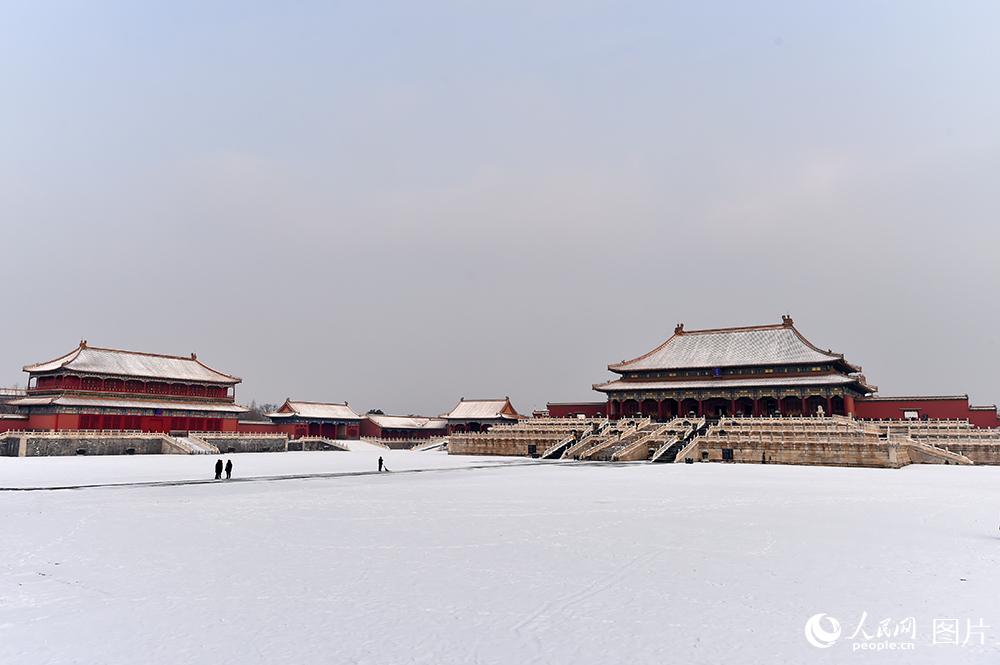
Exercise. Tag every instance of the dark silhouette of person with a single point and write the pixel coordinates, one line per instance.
(380, 464)
(229, 469)
(218, 470)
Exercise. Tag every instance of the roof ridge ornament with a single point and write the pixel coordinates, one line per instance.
(786, 320)
(83, 343)
(679, 329)
(194, 356)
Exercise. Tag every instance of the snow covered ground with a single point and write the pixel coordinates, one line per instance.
(509, 564)
(124, 469)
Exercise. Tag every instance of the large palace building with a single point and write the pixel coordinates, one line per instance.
(760, 371)
(750, 371)
(109, 389)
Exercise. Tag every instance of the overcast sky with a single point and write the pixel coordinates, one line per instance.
(399, 204)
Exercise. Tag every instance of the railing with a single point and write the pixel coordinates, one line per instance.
(557, 445)
(80, 432)
(586, 445)
(644, 440)
(934, 450)
(690, 435)
(661, 451)
(336, 443)
(373, 440)
(687, 449)
(430, 443)
(624, 440)
(192, 445)
(238, 435)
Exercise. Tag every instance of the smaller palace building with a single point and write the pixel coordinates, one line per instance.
(478, 415)
(381, 426)
(298, 418)
(93, 388)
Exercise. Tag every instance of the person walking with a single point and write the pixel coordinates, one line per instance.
(229, 469)
(380, 464)
(218, 469)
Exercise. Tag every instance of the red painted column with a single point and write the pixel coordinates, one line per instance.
(849, 405)
(732, 407)
(829, 406)
(756, 408)
(701, 408)
(805, 407)
(659, 409)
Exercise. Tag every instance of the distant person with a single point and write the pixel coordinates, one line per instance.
(218, 470)
(380, 464)
(229, 469)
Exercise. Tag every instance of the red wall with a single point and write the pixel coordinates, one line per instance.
(260, 427)
(7, 424)
(956, 408)
(984, 417)
(74, 421)
(572, 409)
(368, 428)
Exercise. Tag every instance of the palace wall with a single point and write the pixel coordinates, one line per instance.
(39, 445)
(9, 422)
(263, 443)
(369, 428)
(259, 427)
(53, 446)
(953, 408)
(573, 409)
(889, 456)
(460, 445)
(984, 416)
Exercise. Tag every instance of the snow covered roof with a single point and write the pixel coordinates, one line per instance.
(482, 409)
(407, 422)
(115, 362)
(315, 410)
(777, 344)
(762, 382)
(128, 403)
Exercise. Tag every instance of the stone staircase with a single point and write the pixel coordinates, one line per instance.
(921, 452)
(673, 449)
(645, 447)
(615, 431)
(433, 444)
(313, 443)
(607, 451)
(556, 449)
(188, 445)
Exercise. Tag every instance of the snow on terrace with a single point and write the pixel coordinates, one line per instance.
(583, 564)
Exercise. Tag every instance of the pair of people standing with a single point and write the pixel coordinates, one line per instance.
(219, 468)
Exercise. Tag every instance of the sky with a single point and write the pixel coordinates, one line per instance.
(399, 204)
